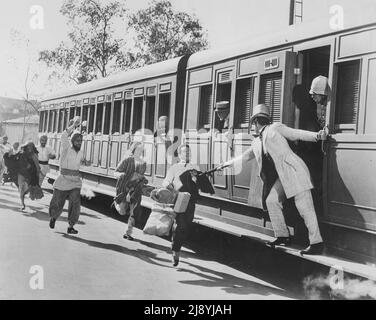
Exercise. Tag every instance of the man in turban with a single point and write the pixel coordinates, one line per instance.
(68, 184)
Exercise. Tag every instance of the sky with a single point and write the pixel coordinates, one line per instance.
(226, 22)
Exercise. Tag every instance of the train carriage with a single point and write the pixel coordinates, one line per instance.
(263, 70)
(267, 70)
(118, 111)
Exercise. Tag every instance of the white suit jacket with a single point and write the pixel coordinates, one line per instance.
(292, 171)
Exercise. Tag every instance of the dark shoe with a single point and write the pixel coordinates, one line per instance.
(175, 258)
(71, 230)
(52, 223)
(128, 237)
(280, 241)
(314, 249)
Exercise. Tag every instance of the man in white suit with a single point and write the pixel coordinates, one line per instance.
(284, 174)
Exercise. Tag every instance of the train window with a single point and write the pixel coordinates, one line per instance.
(116, 117)
(90, 127)
(205, 106)
(127, 116)
(45, 122)
(71, 113)
(150, 113)
(50, 118)
(78, 111)
(223, 94)
(85, 112)
(137, 114)
(61, 120)
(107, 118)
(270, 94)
(65, 118)
(41, 119)
(55, 120)
(347, 99)
(164, 104)
(370, 127)
(244, 102)
(99, 118)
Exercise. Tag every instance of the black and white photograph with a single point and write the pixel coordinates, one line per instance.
(188, 154)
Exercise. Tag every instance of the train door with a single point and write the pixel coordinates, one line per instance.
(101, 136)
(221, 146)
(246, 95)
(162, 142)
(126, 117)
(115, 134)
(312, 62)
(198, 115)
(150, 109)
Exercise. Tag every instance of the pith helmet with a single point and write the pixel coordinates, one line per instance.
(261, 110)
(320, 86)
(223, 109)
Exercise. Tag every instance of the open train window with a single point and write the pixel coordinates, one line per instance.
(116, 117)
(243, 102)
(99, 118)
(164, 104)
(78, 111)
(85, 112)
(90, 127)
(205, 106)
(137, 114)
(149, 113)
(347, 96)
(65, 118)
(45, 123)
(223, 94)
(107, 118)
(41, 119)
(127, 116)
(50, 118)
(54, 129)
(71, 113)
(271, 94)
(61, 120)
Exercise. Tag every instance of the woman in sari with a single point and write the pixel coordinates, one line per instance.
(130, 184)
(28, 173)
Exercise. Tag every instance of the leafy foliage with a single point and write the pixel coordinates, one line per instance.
(163, 34)
(92, 50)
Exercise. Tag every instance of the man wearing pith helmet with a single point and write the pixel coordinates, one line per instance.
(284, 175)
(319, 92)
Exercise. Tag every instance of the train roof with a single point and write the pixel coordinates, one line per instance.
(134, 75)
(290, 35)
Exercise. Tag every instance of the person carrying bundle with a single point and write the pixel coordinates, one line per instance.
(130, 184)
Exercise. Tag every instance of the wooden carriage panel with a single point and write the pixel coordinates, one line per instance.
(351, 188)
(160, 159)
(104, 155)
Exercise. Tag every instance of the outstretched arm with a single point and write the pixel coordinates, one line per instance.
(298, 134)
(247, 155)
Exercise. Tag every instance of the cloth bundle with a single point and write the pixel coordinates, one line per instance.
(160, 220)
(162, 213)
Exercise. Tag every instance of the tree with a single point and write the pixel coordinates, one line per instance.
(163, 34)
(93, 50)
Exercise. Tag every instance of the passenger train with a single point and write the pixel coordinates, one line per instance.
(124, 108)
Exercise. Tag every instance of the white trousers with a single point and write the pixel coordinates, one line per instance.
(44, 169)
(306, 209)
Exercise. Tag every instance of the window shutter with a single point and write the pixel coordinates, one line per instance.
(271, 93)
(244, 101)
(348, 86)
